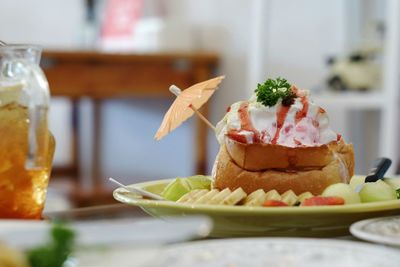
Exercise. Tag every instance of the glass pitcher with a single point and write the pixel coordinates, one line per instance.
(26, 145)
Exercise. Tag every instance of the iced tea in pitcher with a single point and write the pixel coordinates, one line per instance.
(26, 146)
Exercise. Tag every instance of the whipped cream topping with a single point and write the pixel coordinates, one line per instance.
(303, 123)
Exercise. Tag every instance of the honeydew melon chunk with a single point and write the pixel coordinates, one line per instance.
(355, 181)
(377, 191)
(344, 191)
(304, 196)
(176, 189)
(199, 182)
(393, 182)
(181, 186)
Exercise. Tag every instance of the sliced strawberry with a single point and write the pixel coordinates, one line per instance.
(274, 203)
(322, 201)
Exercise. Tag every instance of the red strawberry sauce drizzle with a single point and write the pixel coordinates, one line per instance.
(280, 119)
(245, 125)
(245, 122)
(282, 113)
(235, 135)
(303, 112)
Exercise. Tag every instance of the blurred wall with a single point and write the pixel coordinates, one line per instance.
(302, 35)
(52, 23)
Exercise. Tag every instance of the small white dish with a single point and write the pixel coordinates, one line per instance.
(383, 230)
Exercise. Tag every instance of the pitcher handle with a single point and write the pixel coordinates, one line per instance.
(37, 112)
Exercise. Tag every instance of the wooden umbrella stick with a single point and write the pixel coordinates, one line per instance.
(201, 116)
(176, 91)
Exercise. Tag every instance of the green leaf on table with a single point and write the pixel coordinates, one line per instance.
(56, 251)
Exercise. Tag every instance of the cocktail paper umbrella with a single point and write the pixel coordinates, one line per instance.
(187, 103)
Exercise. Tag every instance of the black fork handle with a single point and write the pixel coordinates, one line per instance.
(378, 170)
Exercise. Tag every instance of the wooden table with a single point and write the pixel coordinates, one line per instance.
(102, 76)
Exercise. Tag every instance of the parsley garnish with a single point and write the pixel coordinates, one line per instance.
(56, 252)
(398, 193)
(271, 91)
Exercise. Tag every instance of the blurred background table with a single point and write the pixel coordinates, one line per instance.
(102, 76)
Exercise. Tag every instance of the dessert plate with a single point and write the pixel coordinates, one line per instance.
(384, 230)
(230, 221)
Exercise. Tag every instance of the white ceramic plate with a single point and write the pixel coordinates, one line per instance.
(143, 232)
(104, 243)
(278, 252)
(114, 250)
(249, 252)
(384, 230)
